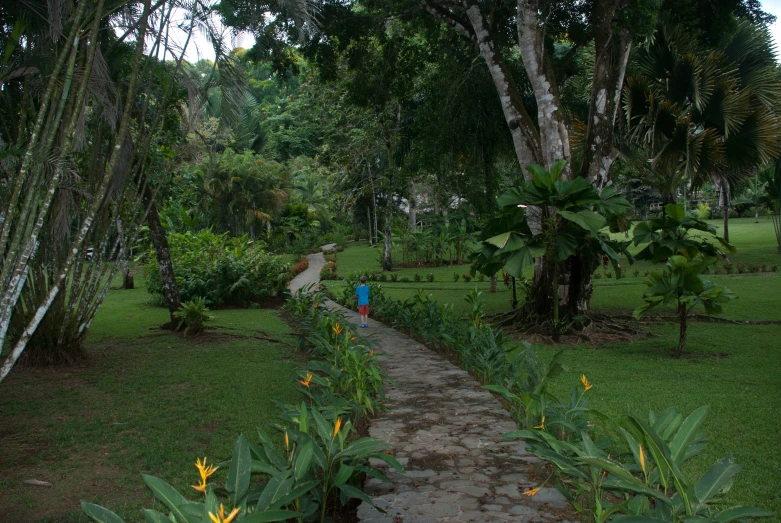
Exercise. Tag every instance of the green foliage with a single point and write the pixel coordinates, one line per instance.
(688, 257)
(645, 482)
(222, 270)
(328, 272)
(580, 214)
(677, 234)
(703, 211)
(193, 315)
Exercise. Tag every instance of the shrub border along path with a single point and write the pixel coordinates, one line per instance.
(446, 430)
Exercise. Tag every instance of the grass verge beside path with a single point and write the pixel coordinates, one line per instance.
(145, 401)
(734, 369)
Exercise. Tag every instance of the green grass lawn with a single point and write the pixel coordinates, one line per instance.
(736, 369)
(145, 401)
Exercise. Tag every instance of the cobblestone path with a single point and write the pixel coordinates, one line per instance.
(446, 431)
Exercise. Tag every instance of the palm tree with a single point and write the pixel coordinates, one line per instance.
(704, 114)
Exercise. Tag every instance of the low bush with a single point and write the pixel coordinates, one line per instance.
(417, 277)
(752, 267)
(193, 315)
(301, 266)
(430, 277)
(467, 277)
(455, 277)
(773, 268)
(224, 271)
(328, 272)
(636, 272)
(703, 211)
(740, 268)
(394, 277)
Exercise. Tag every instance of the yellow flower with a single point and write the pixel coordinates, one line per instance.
(531, 492)
(338, 329)
(222, 518)
(541, 426)
(337, 426)
(317, 304)
(642, 460)
(205, 472)
(307, 381)
(287, 441)
(586, 384)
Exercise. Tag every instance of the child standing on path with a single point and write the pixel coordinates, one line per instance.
(362, 295)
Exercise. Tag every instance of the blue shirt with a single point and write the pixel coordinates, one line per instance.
(363, 294)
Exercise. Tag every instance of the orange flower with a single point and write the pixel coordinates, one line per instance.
(586, 384)
(337, 426)
(307, 381)
(642, 460)
(204, 472)
(338, 329)
(221, 517)
(531, 492)
(287, 441)
(541, 426)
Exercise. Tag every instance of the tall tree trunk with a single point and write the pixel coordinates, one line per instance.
(413, 207)
(164, 263)
(725, 195)
(387, 262)
(492, 286)
(369, 224)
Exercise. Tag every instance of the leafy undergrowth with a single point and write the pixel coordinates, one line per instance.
(145, 401)
(732, 368)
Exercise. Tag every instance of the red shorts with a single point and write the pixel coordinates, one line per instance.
(363, 310)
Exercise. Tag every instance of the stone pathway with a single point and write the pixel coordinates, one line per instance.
(310, 275)
(446, 430)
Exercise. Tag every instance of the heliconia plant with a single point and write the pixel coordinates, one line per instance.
(645, 484)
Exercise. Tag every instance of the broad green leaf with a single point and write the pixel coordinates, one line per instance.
(363, 447)
(153, 516)
(277, 487)
(239, 471)
(613, 467)
(687, 434)
(675, 211)
(211, 504)
(356, 493)
(168, 495)
(517, 262)
(588, 220)
(717, 480)
(297, 491)
(731, 514)
(620, 484)
(264, 468)
(343, 474)
(303, 459)
(100, 514)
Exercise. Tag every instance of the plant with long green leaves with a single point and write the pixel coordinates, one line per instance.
(645, 484)
(553, 220)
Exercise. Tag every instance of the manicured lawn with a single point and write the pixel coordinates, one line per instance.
(146, 401)
(736, 369)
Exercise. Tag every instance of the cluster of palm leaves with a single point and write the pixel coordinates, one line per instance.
(703, 114)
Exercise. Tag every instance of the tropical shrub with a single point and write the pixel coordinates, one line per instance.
(193, 315)
(680, 284)
(328, 272)
(301, 266)
(430, 277)
(317, 467)
(669, 239)
(643, 483)
(703, 211)
(417, 277)
(222, 270)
